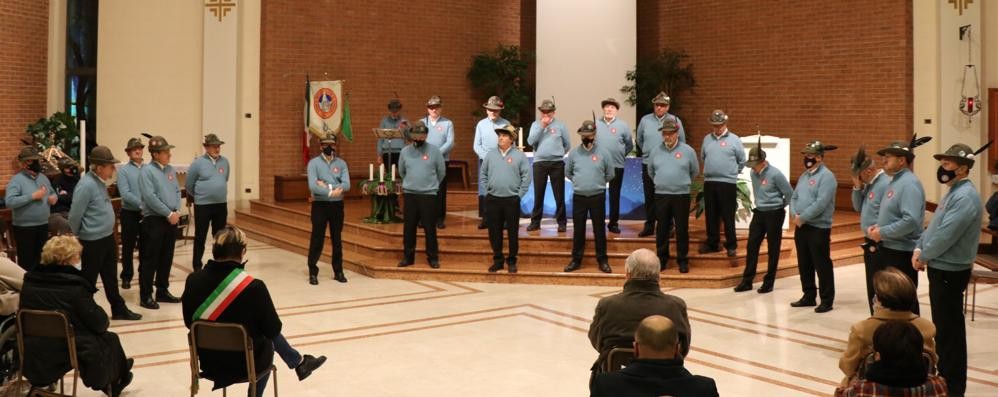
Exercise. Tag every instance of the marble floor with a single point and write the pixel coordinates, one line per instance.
(420, 338)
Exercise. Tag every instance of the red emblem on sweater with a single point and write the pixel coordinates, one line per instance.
(169, 176)
(890, 194)
(439, 128)
(336, 170)
(613, 130)
(595, 158)
(221, 170)
(509, 160)
(679, 155)
(552, 130)
(871, 195)
(812, 182)
(425, 157)
(723, 144)
(765, 182)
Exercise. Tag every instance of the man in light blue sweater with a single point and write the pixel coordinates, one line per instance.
(811, 209)
(91, 218)
(647, 137)
(772, 194)
(29, 197)
(441, 135)
(388, 149)
(549, 138)
(131, 208)
(485, 141)
(590, 170)
(160, 203)
(901, 214)
(672, 166)
(948, 248)
(614, 136)
(723, 159)
(506, 176)
(207, 187)
(328, 180)
(422, 169)
(869, 183)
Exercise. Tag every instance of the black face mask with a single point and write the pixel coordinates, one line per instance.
(588, 141)
(35, 166)
(73, 172)
(419, 143)
(808, 163)
(328, 150)
(944, 176)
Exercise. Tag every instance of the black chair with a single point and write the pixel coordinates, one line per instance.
(224, 337)
(618, 358)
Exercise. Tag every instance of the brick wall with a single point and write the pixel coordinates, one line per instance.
(23, 74)
(416, 48)
(840, 72)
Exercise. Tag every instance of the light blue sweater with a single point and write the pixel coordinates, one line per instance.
(814, 198)
(26, 211)
(615, 138)
(673, 170)
(951, 240)
(441, 135)
(902, 211)
(422, 169)
(391, 145)
(207, 179)
(91, 216)
(128, 186)
(589, 170)
(723, 157)
(160, 190)
(771, 189)
(550, 143)
(333, 172)
(867, 201)
(506, 175)
(485, 136)
(649, 135)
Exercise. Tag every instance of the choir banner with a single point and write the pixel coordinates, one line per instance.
(325, 107)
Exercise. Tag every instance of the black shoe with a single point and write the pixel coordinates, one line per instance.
(495, 267)
(605, 268)
(613, 228)
(646, 232)
(533, 226)
(435, 264)
(482, 225)
(441, 225)
(743, 287)
(124, 381)
(684, 267)
(340, 277)
(405, 263)
(512, 268)
(165, 296)
(731, 253)
(562, 228)
(706, 249)
(765, 289)
(308, 364)
(823, 307)
(803, 302)
(197, 266)
(125, 314)
(313, 280)
(126, 284)
(148, 303)
(572, 266)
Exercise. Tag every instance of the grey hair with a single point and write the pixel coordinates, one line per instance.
(643, 263)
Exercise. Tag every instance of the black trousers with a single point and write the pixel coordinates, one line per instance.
(886, 257)
(99, 257)
(482, 199)
(420, 208)
(648, 185)
(594, 208)
(215, 214)
(946, 298)
(720, 200)
(813, 256)
(556, 171)
(323, 213)
(672, 209)
(29, 241)
(765, 225)
(131, 227)
(503, 213)
(615, 184)
(159, 239)
(442, 199)
(870, 265)
(389, 159)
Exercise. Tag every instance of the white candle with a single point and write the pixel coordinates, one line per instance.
(381, 172)
(519, 137)
(83, 143)
(370, 171)
(393, 172)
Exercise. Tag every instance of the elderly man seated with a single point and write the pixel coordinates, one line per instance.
(657, 369)
(617, 316)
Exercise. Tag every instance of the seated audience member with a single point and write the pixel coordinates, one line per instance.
(894, 296)
(250, 306)
(898, 366)
(657, 369)
(11, 282)
(617, 316)
(57, 284)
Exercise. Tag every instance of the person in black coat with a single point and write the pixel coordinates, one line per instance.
(250, 306)
(657, 369)
(59, 285)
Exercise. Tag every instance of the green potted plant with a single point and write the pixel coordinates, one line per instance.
(669, 72)
(743, 196)
(503, 72)
(55, 136)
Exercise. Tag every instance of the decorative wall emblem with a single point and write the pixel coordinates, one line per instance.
(961, 5)
(220, 8)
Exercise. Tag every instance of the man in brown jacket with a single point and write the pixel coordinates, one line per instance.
(617, 316)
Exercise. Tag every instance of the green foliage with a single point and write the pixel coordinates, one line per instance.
(669, 72)
(57, 130)
(743, 196)
(502, 72)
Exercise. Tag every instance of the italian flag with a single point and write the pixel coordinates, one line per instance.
(223, 295)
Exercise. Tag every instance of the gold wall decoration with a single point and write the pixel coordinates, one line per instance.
(221, 8)
(961, 5)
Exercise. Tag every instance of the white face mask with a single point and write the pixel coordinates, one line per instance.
(78, 266)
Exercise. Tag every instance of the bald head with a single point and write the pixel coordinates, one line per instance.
(656, 337)
(642, 264)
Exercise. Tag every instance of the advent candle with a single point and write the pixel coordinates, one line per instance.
(370, 171)
(83, 143)
(381, 172)
(519, 138)
(393, 172)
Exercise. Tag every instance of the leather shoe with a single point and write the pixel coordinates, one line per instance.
(435, 264)
(684, 267)
(308, 364)
(533, 226)
(706, 249)
(562, 228)
(495, 267)
(126, 284)
(572, 266)
(405, 263)
(803, 303)
(125, 379)
(512, 268)
(165, 296)
(605, 268)
(441, 225)
(482, 225)
(731, 253)
(743, 287)
(613, 228)
(646, 233)
(125, 314)
(340, 277)
(765, 289)
(313, 280)
(823, 307)
(148, 303)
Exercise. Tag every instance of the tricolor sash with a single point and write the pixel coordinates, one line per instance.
(223, 295)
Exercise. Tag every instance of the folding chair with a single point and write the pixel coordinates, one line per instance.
(47, 324)
(617, 358)
(224, 337)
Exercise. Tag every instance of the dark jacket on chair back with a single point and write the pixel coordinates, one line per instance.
(652, 377)
(253, 309)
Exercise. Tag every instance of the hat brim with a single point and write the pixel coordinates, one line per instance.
(896, 152)
(809, 151)
(92, 160)
(582, 132)
(712, 122)
(957, 159)
(545, 109)
(492, 107)
(666, 103)
(614, 103)
(753, 163)
(665, 130)
(127, 148)
(217, 143)
(161, 148)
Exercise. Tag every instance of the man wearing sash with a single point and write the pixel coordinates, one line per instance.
(223, 292)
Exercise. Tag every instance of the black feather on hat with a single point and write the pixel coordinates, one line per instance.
(861, 160)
